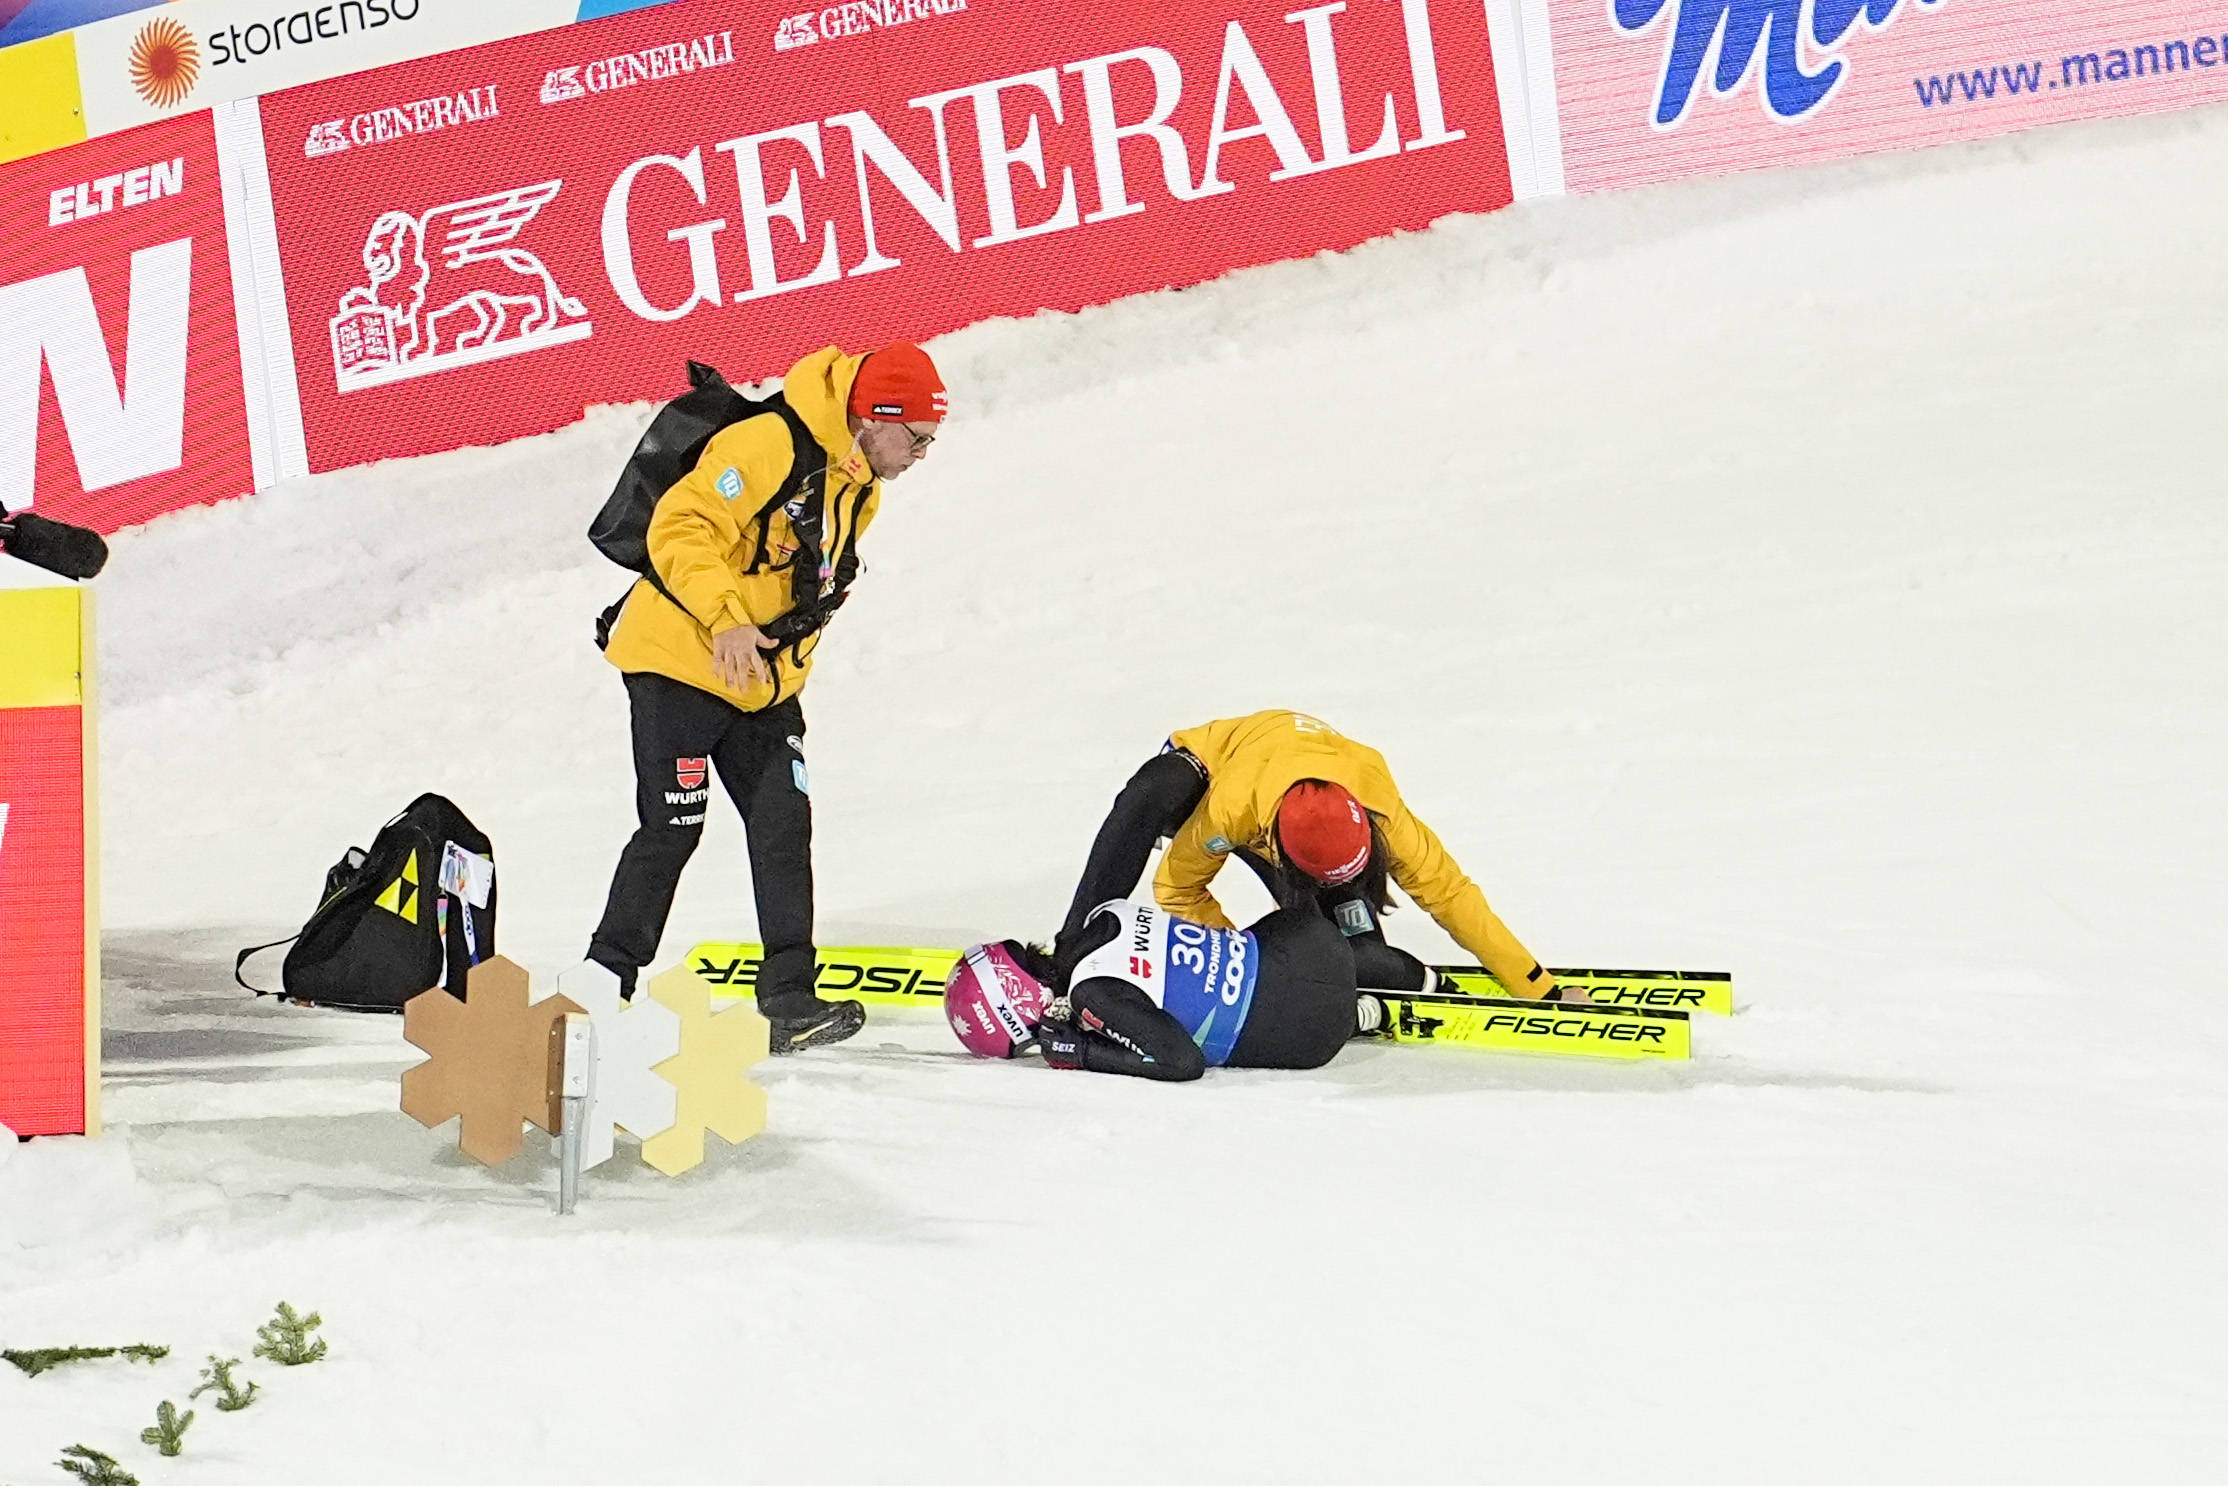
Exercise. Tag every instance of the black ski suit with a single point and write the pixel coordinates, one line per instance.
(1302, 1010)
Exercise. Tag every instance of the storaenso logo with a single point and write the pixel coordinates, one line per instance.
(1762, 39)
(764, 200)
(164, 63)
(306, 28)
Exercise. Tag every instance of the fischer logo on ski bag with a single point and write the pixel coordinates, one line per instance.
(415, 912)
(670, 448)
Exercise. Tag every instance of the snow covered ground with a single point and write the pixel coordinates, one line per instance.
(1816, 576)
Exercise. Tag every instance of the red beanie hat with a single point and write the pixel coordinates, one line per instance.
(898, 384)
(1323, 831)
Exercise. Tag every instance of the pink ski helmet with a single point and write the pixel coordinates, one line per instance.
(992, 1003)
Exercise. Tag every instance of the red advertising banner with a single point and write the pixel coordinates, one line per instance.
(479, 245)
(42, 920)
(120, 389)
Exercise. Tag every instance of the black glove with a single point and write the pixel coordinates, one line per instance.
(1059, 1039)
(1032, 958)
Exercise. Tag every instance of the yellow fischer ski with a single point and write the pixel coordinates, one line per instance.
(1659, 990)
(878, 975)
(1506, 1025)
(897, 975)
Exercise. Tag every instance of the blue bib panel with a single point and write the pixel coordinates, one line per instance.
(1202, 977)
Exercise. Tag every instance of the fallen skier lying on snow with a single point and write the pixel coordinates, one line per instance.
(1317, 818)
(1157, 996)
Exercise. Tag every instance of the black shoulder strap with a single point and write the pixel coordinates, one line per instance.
(807, 478)
(240, 960)
(808, 466)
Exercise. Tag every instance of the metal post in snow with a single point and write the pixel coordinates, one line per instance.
(576, 1086)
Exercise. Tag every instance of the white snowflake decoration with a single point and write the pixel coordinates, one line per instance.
(631, 1039)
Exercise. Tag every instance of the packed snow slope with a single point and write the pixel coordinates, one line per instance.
(1816, 576)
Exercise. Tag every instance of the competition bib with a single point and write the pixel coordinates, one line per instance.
(1202, 977)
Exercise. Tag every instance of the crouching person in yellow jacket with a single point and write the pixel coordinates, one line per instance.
(753, 551)
(1318, 818)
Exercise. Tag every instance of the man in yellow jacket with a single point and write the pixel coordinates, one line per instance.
(753, 551)
(1318, 818)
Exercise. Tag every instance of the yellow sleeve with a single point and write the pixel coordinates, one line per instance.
(701, 522)
(1186, 870)
(1428, 874)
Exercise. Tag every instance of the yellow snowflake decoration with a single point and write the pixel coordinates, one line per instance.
(711, 1073)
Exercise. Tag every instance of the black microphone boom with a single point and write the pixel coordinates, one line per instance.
(71, 551)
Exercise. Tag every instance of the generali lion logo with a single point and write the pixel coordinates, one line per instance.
(474, 300)
(165, 63)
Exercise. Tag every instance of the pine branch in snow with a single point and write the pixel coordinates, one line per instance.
(168, 1433)
(40, 1359)
(94, 1468)
(286, 1339)
(217, 1378)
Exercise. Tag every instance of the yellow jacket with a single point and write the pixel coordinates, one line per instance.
(705, 533)
(1252, 761)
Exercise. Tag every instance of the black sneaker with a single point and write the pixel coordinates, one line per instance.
(795, 1023)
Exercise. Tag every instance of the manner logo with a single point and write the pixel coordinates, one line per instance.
(165, 63)
(476, 300)
(1764, 39)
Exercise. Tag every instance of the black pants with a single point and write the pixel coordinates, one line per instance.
(1303, 1007)
(679, 733)
(1378, 965)
(1153, 806)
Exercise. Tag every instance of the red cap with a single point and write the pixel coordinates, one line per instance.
(898, 384)
(1323, 831)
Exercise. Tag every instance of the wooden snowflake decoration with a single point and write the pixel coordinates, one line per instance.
(489, 1060)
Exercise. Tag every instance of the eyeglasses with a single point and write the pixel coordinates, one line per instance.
(920, 440)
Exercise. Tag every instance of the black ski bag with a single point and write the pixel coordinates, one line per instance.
(415, 912)
(669, 449)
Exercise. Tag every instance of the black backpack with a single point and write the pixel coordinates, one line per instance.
(414, 912)
(670, 448)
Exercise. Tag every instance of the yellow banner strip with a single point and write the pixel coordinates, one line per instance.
(39, 664)
(41, 107)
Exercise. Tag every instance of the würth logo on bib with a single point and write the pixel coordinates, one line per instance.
(689, 772)
(446, 289)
